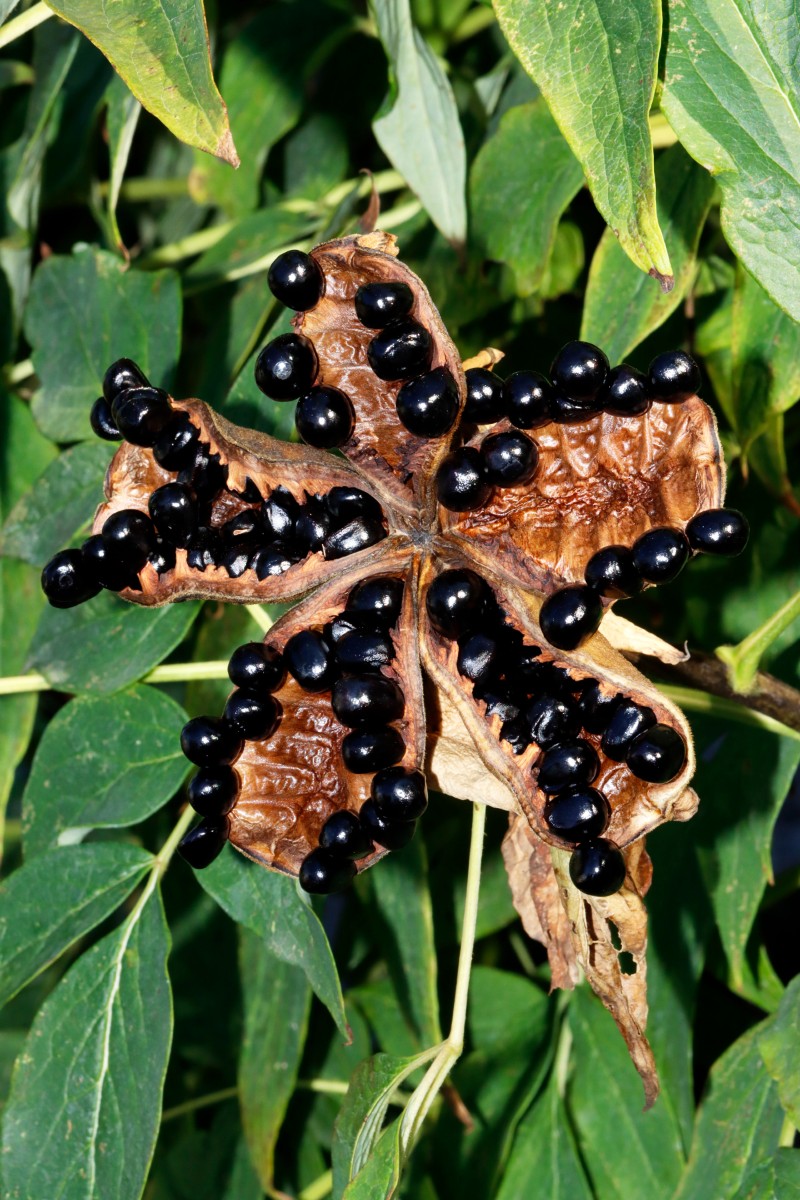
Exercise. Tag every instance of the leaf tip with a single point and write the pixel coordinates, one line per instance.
(666, 282)
(226, 150)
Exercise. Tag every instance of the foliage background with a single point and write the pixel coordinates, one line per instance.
(119, 238)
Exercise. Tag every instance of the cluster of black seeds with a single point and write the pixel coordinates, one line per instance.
(541, 704)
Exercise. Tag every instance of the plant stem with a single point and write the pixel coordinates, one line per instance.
(319, 1188)
(186, 247)
(18, 372)
(742, 660)
(24, 23)
(167, 673)
(140, 191)
(788, 1130)
(261, 617)
(718, 706)
(189, 1106)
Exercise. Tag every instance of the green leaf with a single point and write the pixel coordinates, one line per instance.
(766, 360)
(731, 95)
(106, 644)
(621, 307)
(737, 1125)
(122, 757)
(380, 1174)
(418, 127)
(516, 223)
(160, 48)
(86, 310)
(277, 1000)
(544, 1159)
(269, 904)
(596, 66)
(49, 903)
(58, 505)
(778, 1045)
(776, 1179)
(122, 117)
(85, 1100)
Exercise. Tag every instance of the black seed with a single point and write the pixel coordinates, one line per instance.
(142, 414)
(722, 531)
(597, 868)
(347, 503)
(206, 475)
(346, 622)
(210, 742)
(509, 459)
(357, 535)
(67, 580)
(324, 418)
(486, 399)
(399, 795)
(377, 304)
(213, 791)
(357, 652)
(237, 557)
(527, 399)
(309, 659)
(541, 678)
(400, 351)
(626, 392)
(568, 764)
(455, 602)
(163, 558)
(104, 566)
(296, 280)
(380, 598)
(286, 367)
(280, 513)
(102, 421)
(552, 719)
(204, 548)
(461, 482)
(273, 560)
(246, 524)
(657, 755)
(173, 508)
(250, 494)
(392, 835)
(577, 815)
(569, 616)
(516, 731)
(579, 370)
(204, 843)
(120, 376)
(343, 836)
(372, 748)
(566, 411)
(595, 706)
(373, 700)
(176, 447)
(500, 701)
(627, 721)
(322, 872)
(313, 524)
(130, 537)
(674, 377)
(428, 405)
(478, 656)
(661, 554)
(258, 667)
(611, 572)
(252, 714)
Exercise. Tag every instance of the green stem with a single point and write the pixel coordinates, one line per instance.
(693, 700)
(742, 660)
(319, 1188)
(474, 22)
(140, 191)
(326, 1087)
(168, 673)
(18, 372)
(24, 23)
(788, 1130)
(261, 617)
(187, 247)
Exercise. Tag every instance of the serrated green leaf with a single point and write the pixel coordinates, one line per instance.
(544, 1159)
(160, 48)
(778, 1045)
(106, 644)
(122, 757)
(86, 310)
(418, 127)
(516, 223)
(731, 95)
(269, 904)
(49, 903)
(596, 66)
(621, 307)
(83, 1113)
(766, 359)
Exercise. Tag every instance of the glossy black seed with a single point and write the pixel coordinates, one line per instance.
(309, 659)
(104, 566)
(455, 602)
(500, 702)
(392, 835)
(286, 368)
(204, 843)
(626, 392)
(142, 414)
(373, 700)
(377, 304)
(399, 795)
(595, 706)
(173, 509)
(296, 280)
(120, 376)
(380, 598)
(428, 405)
(674, 377)
(280, 513)
(577, 815)
(611, 572)
(552, 719)
(357, 652)
(597, 868)
(273, 560)
(527, 399)
(371, 748)
(206, 475)
(176, 447)
(660, 554)
(204, 548)
(541, 678)
(400, 351)
(256, 666)
(516, 731)
(461, 482)
(356, 535)
(722, 531)
(250, 493)
(102, 420)
(346, 622)
(568, 764)
(509, 459)
(324, 418)
(657, 755)
(343, 836)
(244, 524)
(478, 656)
(237, 557)
(210, 742)
(213, 791)
(569, 616)
(566, 411)
(163, 558)
(130, 537)
(627, 721)
(486, 399)
(322, 872)
(67, 580)
(313, 525)
(579, 370)
(252, 714)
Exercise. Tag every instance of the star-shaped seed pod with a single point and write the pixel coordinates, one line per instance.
(453, 568)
